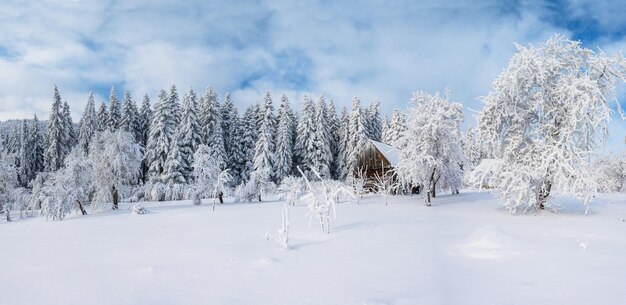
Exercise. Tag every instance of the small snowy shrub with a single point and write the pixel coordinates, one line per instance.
(140, 209)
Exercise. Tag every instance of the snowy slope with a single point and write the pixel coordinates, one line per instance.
(465, 249)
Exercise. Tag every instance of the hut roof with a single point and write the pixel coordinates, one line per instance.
(390, 153)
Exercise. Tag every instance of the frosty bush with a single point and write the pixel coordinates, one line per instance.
(140, 209)
(291, 189)
(544, 117)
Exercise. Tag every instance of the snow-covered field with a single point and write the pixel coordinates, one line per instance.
(464, 249)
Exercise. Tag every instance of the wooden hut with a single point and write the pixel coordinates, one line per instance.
(377, 158)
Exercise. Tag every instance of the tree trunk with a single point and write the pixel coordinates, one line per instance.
(80, 206)
(427, 198)
(544, 192)
(432, 185)
(221, 197)
(259, 197)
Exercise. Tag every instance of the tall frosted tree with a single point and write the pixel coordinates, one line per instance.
(344, 136)
(208, 103)
(306, 135)
(175, 164)
(102, 117)
(69, 136)
(322, 154)
(384, 135)
(37, 146)
(174, 104)
(228, 129)
(88, 124)
(547, 112)
(130, 117)
(250, 134)
(145, 116)
(115, 113)
(335, 136)
(284, 140)
(162, 131)
(189, 132)
(54, 150)
(264, 152)
(358, 136)
(213, 128)
(25, 172)
(372, 122)
(397, 128)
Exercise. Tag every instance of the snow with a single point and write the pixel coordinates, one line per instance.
(465, 249)
(390, 153)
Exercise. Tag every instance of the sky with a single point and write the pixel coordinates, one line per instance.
(381, 50)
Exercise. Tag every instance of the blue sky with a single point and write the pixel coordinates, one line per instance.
(371, 49)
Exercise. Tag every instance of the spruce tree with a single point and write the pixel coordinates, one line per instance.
(335, 135)
(357, 138)
(88, 124)
(372, 123)
(284, 140)
(227, 110)
(342, 151)
(161, 136)
(384, 135)
(25, 157)
(102, 118)
(145, 116)
(397, 128)
(115, 114)
(250, 134)
(174, 105)
(175, 166)
(237, 157)
(54, 151)
(69, 136)
(37, 147)
(189, 133)
(322, 154)
(264, 152)
(305, 135)
(130, 117)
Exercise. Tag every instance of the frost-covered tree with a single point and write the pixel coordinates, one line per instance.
(162, 131)
(372, 121)
(213, 127)
(8, 182)
(229, 130)
(130, 117)
(304, 147)
(432, 153)
(69, 135)
(334, 129)
(68, 189)
(174, 104)
(175, 164)
(397, 128)
(322, 154)
(264, 152)
(385, 127)
(472, 150)
(25, 171)
(190, 131)
(115, 113)
(544, 116)
(211, 180)
(610, 172)
(357, 136)
(102, 117)
(250, 134)
(237, 157)
(54, 151)
(116, 159)
(342, 151)
(284, 140)
(88, 124)
(36, 147)
(145, 116)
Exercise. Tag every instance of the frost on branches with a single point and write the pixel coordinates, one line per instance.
(432, 154)
(211, 180)
(116, 161)
(546, 113)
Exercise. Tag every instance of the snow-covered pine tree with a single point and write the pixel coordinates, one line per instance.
(397, 128)
(213, 127)
(88, 124)
(228, 113)
(69, 135)
(250, 134)
(102, 117)
(264, 152)
(175, 164)
(358, 136)
(372, 123)
(284, 140)
(305, 136)
(384, 135)
(25, 172)
(145, 116)
(432, 154)
(174, 105)
(237, 157)
(208, 101)
(322, 154)
(162, 130)
(189, 133)
(36, 147)
(115, 113)
(335, 135)
(471, 148)
(130, 117)
(545, 115)
(342, 152)
(55, 152)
